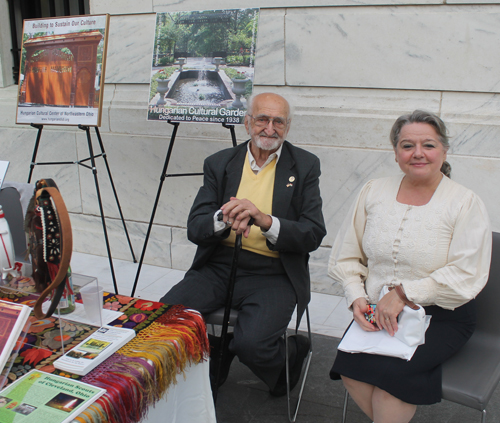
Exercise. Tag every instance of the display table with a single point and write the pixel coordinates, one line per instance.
(163, 371)
(189, 400)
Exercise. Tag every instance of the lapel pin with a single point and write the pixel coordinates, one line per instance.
(291, 178)
(289, 185)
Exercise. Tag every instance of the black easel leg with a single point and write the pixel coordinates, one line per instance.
(151, 220)
(233, 132)
(94, 171)
(103, 153)
(35, 150)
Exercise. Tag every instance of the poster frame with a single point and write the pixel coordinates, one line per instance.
(72, 114)
(229, 111)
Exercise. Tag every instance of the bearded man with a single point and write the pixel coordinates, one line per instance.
(268, 190)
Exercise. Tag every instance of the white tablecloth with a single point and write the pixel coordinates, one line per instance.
(188, 401)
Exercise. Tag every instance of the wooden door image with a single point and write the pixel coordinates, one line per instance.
(60, 70)
(48, 80)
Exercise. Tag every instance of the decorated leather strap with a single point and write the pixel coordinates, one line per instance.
(401, 294)
(58, 245)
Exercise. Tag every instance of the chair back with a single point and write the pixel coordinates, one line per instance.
(488, 300)
(10, 201)
(471, 376)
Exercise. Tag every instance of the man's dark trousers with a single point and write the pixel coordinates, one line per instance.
(263, 294)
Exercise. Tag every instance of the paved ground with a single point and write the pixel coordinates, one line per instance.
(245, 399)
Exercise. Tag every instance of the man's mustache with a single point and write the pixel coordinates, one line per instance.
(275, 135)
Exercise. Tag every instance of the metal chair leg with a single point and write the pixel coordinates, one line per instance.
(483, 416)
(344, 411)
(305, 371)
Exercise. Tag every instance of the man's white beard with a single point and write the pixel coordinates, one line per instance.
(268, 143)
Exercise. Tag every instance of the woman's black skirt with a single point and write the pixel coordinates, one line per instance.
(417, 381)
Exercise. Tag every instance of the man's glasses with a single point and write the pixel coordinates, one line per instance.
(278, 123)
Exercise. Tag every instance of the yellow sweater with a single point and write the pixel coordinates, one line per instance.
(259, 190)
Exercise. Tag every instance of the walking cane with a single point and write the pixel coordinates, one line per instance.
(225, 323)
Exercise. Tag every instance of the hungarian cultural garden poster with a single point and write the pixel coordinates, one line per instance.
(203, 66)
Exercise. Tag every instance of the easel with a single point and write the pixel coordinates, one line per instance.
(162, 179)
(92, 158)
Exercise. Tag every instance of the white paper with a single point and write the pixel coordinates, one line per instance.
(357, 340)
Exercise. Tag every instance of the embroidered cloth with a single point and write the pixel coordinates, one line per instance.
(168, 338)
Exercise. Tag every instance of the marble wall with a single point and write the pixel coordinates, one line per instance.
(350, 69)
(6, 59)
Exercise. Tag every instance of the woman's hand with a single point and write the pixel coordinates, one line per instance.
(359, 308)
(387, 312)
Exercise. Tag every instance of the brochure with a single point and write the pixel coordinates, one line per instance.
(42, 397)
(93, 350)
(13, 318)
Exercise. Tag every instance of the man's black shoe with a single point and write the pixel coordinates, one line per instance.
(298, 347)
(215, 358)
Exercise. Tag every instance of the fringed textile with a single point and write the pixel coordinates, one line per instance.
(140, 373)
(95, 413)
(130, 383)
(181, 318)
(164, 347)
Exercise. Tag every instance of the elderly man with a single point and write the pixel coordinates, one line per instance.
(267, 190)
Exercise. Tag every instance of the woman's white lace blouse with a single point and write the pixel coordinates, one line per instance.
(440, 252)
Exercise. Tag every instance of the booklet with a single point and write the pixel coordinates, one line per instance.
(93, 350)
(40, 397)
(13, 318)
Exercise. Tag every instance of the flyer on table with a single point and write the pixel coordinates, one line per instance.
(94, 349)
(40, 397)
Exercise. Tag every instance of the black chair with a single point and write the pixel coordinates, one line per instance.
(226, 317)
(471, 376)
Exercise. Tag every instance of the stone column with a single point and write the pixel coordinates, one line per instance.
(6, 60)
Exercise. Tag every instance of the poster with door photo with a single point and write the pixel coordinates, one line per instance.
(62, 70)
(203, 66)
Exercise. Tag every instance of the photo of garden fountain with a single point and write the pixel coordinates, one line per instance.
(203, 66)
(200, 87)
